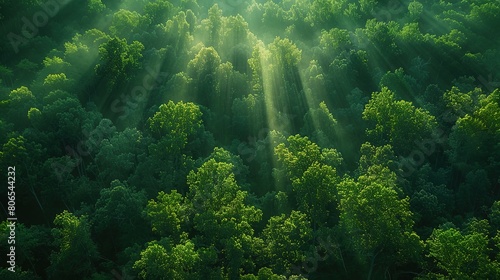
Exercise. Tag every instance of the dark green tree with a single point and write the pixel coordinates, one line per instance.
(287, 239)
(395, 122)
(77, 253)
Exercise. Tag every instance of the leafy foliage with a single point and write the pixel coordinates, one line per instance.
(230, 139)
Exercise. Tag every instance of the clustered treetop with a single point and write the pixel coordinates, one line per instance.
(257, 139)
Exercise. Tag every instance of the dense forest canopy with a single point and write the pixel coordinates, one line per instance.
(250, 139)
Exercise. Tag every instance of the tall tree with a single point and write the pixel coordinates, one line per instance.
(395, 122)
(475, 136)
(202, 69)
(118, 216)
(463, 254)
(312, 173)
(377, 220)
(77, 252)
(175, 123)
(169, 261)
(287, 238)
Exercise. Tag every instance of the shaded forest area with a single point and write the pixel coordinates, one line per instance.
(233, 139)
